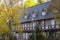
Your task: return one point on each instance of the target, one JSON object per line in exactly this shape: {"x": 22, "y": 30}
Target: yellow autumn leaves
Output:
{"x": 13, "y": 13}
{"x": 30, "y": 3}
{"x": 6, "y": 14}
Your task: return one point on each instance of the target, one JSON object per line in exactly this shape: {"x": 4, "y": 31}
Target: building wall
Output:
{"x": 44, "y": 24}
{"x": 47, "y": 24}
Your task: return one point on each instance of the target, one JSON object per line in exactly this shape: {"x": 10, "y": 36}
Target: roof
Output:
{"x": 37, "y": 10}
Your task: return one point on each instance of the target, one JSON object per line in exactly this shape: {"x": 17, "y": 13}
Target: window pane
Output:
{"x": 47, "y": 24}
{"x": 23, "y": 25}
{"x": 52, "y": 22}
{"x": 46, "y": 27}
{"x": 31, "y": 24}
{"x": 44, "y": 12}
{"x": 34, "y": 24}
{"x": 57, "y": 26}
{"x": 42, "y": 27}
{"x": 42, "y": 23}
{"x": 24, "y": 35}
{"x": 34, "y": 15}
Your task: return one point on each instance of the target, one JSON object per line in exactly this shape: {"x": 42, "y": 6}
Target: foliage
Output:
{"x": 39, "y": 34}
{"x": 57, "y": 8}
{"x": 7, "y": 13}
{"x": 40, "y": 1}
{"x": 29, "y": 3}
{"x": 54, "y": 7}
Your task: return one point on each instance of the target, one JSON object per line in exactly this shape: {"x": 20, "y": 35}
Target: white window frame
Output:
{"x": 34, "y": 15}
{"x": 25, "y": 16}
{"x": 44, "y": 13}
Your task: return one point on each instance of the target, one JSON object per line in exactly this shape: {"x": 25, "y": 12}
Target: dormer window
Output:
{"x": 44, "y": 12}
{"x": 34, "y": 15}
{"x": 25, "y": 16}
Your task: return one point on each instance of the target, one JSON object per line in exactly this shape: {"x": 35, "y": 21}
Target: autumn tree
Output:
{"x": 38, "y": 34}
{"x": 54, "y": 8}
{"x": 30, "y": 3}
{"x": 40, "y": 1}
{"x": 10, "y": 13}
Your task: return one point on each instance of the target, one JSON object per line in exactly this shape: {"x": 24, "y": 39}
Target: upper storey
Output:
{"x": 38, "y": 12}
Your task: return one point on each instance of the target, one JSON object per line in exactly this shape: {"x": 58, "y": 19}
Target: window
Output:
{"x": 47, "y": 34}
{"x": 25, "y": 16}
{"x": 47, "y": 23}
{"x": 42, "y": 27}
{"x": 46, "y": 27}
{"x": 34, "y": 15}
{"x": 31, "y": 24}
{"x": 43, "y": 13}
{"x": 34, "y": 24}
{"x": 52, "y": 23}
{"x": 26, "y": 36}
{"x": 57, "y": 24}
{"x": 25, "y": 24}
{"x": 17, "y": 36}
{"x": 28, "y": 24}
{"x": 42, "y": 24}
